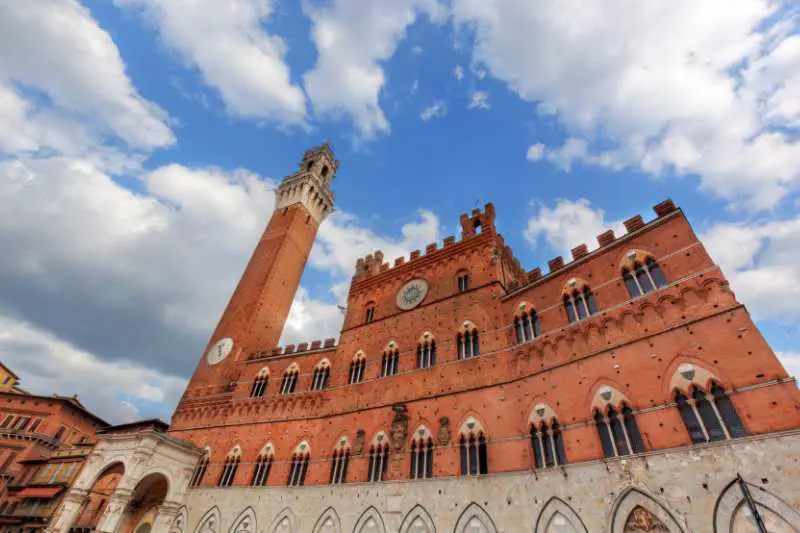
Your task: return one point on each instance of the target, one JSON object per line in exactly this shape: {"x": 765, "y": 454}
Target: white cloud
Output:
{"x": 55, "y": 47}
{"x": 479, "y": 100}
{"x": 227, "y": 42}
{"x": 660, "y": 86}
{"x": 567, "y": 225}
{"x": 342, "y": 240}
{"x": 436, "y": 110}
{"x": 110, "y": 389}
{"x": 353, "y": 38}
{"x": 458, "y": 72}
{"x": 762, "y": 262}
{"x": 131, "y": 276}
{"x": 790, "y": 361}
{"x": 536, "y": 152}
{"x": 311, "y": 319}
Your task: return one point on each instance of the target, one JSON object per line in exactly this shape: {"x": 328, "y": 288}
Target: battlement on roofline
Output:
{"x": 373, "y": 264}
{"x": 292, "y": 349}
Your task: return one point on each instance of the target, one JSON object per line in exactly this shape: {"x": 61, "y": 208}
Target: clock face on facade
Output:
{"x": 219, "y": 351}
{"x": 412, "y": 294}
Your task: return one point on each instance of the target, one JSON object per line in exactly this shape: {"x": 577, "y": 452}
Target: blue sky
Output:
{"x": 139, "y": 141}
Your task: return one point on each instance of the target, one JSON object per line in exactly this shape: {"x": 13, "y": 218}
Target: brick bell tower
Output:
{"x": 257, "y": 311}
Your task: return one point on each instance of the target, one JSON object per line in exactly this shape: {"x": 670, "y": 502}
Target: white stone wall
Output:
{"x": 688, "y": 490}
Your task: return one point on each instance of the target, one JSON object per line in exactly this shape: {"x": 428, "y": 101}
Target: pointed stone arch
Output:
{"x": 730, "y": 505}
{"x": 634, "y": 498}
{"x": 328, "y": 522}
{"x": 475, "y": 518}
{"x": 283, "y": 523}
{"x": 210, "y": 522}
{"x": 557, "y": 510}
{"x": 245, "y": 522}
{"x": 178, "y": 524}
{"x": 370, "y": 521}
{"x": 418, "y": 520}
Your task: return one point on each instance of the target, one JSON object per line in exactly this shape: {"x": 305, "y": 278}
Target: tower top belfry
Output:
{"x": 310, "y": 185}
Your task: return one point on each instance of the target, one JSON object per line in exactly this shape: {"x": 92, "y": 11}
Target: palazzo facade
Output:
{"x": 625, "y": 389}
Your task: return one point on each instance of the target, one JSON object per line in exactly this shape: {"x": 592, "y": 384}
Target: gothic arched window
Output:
{"x": 472, "y": 448}
{"x": 289, "y": 381}
{"x": 462, "y": 281}
{"x": 579, "y": 301}
{"x": 378, "y": 458}
{"x": 263, "y": 466}
{"x": 467, "y": 342}
{"x": 200, "y": 470}
{"x": 426, "y": 351}
{"x": 321, "y": 375}
{"x": 390, "y": 361}
{"x": 260, "y": 384}
{"x": 642, "y": 274}
{"x": 618, "y": 431}
{"x": 357, "y": 366}
{"x": 230, "y": 467}
{"x": 709, "y": 415}
{"x": 340, "y": 460}
{"x": 299, "y": 466}
{"x": 547, "y": 444}
{"x": 526, "y": 324}
{"x": 370, "y": 312}
{"x": 421, "y": 454}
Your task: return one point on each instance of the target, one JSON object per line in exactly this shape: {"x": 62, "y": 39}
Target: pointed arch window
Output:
{"x": 299, "y": 465}
{"x": 421, "y": 454}
{"x": 426, "y": 352}
{"x": 618, "y": 431}
{"x": 390, "y": 361}
{"x": 259, "y": 387}
{"x": 339, "y": 463}
{"x": 580, "y": 304}
{"x": 378, "y": 458}
{"x": 229, "y": 468}
{"x": 370, "y": 313}
{"x": 357, "y": 366}
{"x": 547, "y": 444}
{"x": 467, "y": 342}
{"x": 463, "y": 281}
{"x": 263, "y": 467}
{"x": 199, "y": 472}
{"x": 527, "y": 326}
{"x": 289, "y": 381}
{"x": 642, "y": 277}
{"x": 709, "y": 415}
{"x": 472, "y": 449}
{"x": 320, "y": 376}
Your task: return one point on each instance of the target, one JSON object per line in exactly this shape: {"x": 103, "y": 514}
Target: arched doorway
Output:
{"x": 98, "y": 497}
{"x": 144, "y": 504}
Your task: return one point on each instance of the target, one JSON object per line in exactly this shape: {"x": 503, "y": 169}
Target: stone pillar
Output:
{"x": 167, "y": 512}
{"x": 69, "y": 511}
{"x": 115, "y": 511}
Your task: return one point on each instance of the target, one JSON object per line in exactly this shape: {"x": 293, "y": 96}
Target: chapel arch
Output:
{"x": 636, "y": 509}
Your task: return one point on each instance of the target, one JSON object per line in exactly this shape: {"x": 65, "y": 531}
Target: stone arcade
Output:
{"x": 625, "y": 390}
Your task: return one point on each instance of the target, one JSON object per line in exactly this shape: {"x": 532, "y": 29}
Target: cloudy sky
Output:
{"x": 140, "y": 141}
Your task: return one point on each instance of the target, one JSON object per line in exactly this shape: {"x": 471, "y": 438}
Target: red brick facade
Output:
{"x": 632, "y": 352}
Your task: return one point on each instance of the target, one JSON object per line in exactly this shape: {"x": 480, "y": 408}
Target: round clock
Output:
{"x": 219, "y": 351}
{"x": 412, "y": 294}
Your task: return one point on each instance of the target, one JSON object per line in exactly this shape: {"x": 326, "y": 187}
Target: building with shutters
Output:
{"x": 624, "y": 389}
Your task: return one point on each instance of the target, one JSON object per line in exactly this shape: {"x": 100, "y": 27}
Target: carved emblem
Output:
{"x": 444, "y": 431}
{"x": 641, "y": 519}
{"x": 540, "y": 411}
{"x": 399, "y": 427}
{"x": 687, "y": 371}
{"x": 605, "y": 394}
{"x": 358, "y": 447}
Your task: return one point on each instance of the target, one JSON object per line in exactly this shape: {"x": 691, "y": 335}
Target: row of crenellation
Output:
{"x": 292, "y": 349}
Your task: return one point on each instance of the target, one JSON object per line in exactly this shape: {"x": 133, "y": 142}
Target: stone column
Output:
{"x": 167, "y": 512}
{"x": 115, "y": 511}
{"x": 68, "y": 512}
